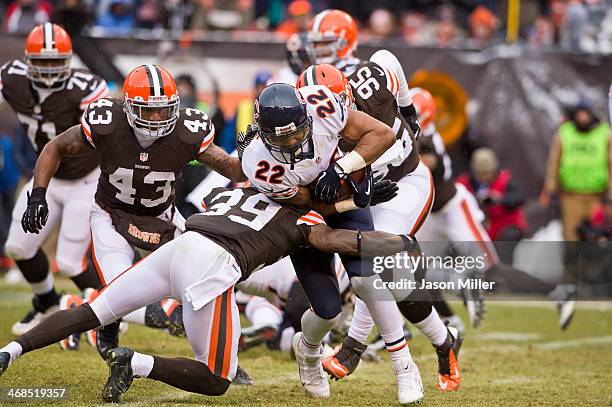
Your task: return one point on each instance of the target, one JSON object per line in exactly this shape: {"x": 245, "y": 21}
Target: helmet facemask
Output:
{"x": 324, "y": 48}
{"x": 48, "y": 72}
{"x": 290, "y": 144}
{"x": 154, "y": 118}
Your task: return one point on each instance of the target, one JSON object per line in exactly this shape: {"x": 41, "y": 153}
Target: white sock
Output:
{"x": 398, "y": 349}
{"x": 260, "y": 312}
{"x": 433, "y": 328}
{"x": 44, "y": 286}
{"x": 314, "y": 329}
{"x": 362, "y": 322}
{"x": 136, "y": 317}
{"x": 142, "y": 364}
{"x": 14, "y": 349}
{"x": 382, "y": 307}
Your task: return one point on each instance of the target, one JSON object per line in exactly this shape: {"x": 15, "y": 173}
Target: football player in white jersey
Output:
{"x": 298, "y": 59}
{"x": 298, "y": 135}
{"x": 374, "y": 89}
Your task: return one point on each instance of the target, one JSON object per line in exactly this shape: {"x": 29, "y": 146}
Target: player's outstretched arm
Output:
{"x": 220, "y": 161}
{"x": 372, "y": 136}
{"x": 68, "y": 143}
{"x": 370, "y": 244}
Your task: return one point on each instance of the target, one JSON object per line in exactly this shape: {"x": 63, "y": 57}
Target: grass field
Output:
{"x": 518, "y": 358}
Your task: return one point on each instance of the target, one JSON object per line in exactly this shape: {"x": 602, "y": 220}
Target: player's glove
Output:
{"x": 363, "y": 191}
{"x": 245, "y": 138}
{"x": 327, "y": 185}
{"x": 411, "y": 245}
{"x": 37, "y": 212}
{"x": 384, "y": 190}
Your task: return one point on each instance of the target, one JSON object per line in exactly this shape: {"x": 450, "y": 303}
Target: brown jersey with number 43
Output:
{"x": 141, "y": 180}
{"x": 256, "y": 230}
{"x": 59, "y": 111}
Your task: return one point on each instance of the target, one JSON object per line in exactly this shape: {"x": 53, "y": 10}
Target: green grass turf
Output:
{"x": 518, "y": 358}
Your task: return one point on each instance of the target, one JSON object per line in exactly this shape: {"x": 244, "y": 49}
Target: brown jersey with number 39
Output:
{"x": 256, "y": 230}
{"x": 141, "y": 180}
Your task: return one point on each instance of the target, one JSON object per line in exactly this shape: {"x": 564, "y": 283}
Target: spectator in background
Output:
{"x": 446, "y": 32}
{"x": 147, "y": 14}
{"x": 574, "y": 24}
{"x": 414, "y": 28}
{"x": 118, "y": 17}
{"x": 23, "y": 15}
{"x": 300, "y": 14}
{"x": 73, "y": 15}
{"x": 482, "y": 25}
{"x": 542, "y": 34}
{"x": 579, "y": 167}
{"x": 381, "y": 25}
{"x": 599, "y": 226}
{"x": 223, "y": 14}
{"x": 500, "y": 198}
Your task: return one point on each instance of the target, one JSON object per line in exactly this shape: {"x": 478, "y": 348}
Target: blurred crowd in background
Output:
{"x": 575, "y": 25}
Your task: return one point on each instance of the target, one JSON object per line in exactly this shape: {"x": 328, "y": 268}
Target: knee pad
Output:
{"x": 371, "y": 289}
{"x": 67, "y": 267}
{"x": 17, "y": 251}
{"x": 217, "y": 387}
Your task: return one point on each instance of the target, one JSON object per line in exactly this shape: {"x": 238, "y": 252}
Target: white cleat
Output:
{"x": 33, "y": 318}
{"x": 409, "y": 384}
{"x": 312, "y": 375}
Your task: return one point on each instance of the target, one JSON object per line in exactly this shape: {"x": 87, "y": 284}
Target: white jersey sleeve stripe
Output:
{"x": 207, "y": 140}
{"x": 87, "y": 131}
{"x": 99, "y": 92}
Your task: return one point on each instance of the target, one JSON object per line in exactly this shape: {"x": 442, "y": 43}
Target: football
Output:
{"x": 345, "y": 190}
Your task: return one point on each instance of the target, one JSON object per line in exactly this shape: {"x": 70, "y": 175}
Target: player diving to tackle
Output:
{"x": 296, "y": 144}
{"x": 241, "y": 231}
{"x": 48, "y": 97}
{"x": 375, "y": 88}
{"x": 143, "y": 143}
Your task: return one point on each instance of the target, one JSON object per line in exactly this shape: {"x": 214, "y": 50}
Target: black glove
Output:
{"x": 244, "y": 139}
{"x": 327, "y": 185}
{"x": 362, "y": 192}
{"x": 384, "y": 190}
{"x": 37, "y": 212}
{"x": 411, "y": 245}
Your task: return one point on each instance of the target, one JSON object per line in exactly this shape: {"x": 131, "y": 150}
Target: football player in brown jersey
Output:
{"x": 48, "y": 97}
{"x": 240, "y": 232}
{"x": 142, "y": 142}
{"x": 455, "y": 215}
{"x": 374, "y": 88}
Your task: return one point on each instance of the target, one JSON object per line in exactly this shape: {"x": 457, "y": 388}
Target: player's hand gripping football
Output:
{"x": 37, "y": 212}
{"x": 245, "y": 138}
{"x": 328, "y": 183}
{"x": 384, "y": 190}
{"x": 364, "y": 190}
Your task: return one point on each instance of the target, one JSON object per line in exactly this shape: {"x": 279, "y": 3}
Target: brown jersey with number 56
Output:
{"x": 141, "y": 180}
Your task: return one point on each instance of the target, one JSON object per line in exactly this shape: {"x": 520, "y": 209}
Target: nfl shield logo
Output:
{"x": 144, "y": 156}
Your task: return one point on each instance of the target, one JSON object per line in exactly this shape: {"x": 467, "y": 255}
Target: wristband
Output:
{"x": 345, "y": 205}
{"x": 37, "y": 194}
{"x": 351, "y": 162}
{"x": 359, "y": 237}
{"x": 410, "y": 243}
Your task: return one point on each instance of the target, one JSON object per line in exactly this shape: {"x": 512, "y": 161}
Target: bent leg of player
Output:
{"x": 211, "y": 318}
{"x": 382, "y": 306}
{"x": 25, "y": 249}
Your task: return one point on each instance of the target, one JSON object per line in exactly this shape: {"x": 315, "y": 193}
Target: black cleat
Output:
{"x": 345, "y": 360}
{"x": 242, "y": 377}
{"x": 256, "y": 335}
{"x": 107, "y": 339}
{"x": 120, "y": 376}
{"x": 5, "y": 360}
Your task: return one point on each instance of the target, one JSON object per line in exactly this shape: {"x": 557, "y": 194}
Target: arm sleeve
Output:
{"x": 395, "y": 76}
{"x": 551, "y": 182}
